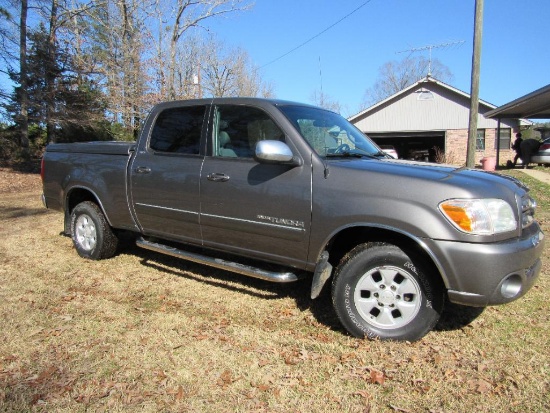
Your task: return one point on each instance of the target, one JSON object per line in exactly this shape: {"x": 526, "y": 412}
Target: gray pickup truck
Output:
{"x": 281, "y": 190}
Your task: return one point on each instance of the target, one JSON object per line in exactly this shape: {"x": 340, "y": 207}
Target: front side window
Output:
{"x": 178, "y": 130}
{"x": 328, "y": 133}
{"x": 237, "y": 129}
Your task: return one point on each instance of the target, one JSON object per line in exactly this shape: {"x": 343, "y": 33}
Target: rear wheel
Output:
{"x": 92, "y": 236}
{"x": 381, "y": 292}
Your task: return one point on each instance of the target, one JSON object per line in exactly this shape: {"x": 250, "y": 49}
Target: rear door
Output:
{"x": 251, "y": 208}
{"x": 164, "y": 175}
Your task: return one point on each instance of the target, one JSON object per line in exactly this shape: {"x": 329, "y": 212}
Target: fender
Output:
{"x": 86, "y": 194}
{"x": 417, "y": 240}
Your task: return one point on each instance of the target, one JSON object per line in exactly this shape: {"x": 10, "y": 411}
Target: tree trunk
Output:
{"x": 51, "y": 75}
{"x": 23, "y": 73}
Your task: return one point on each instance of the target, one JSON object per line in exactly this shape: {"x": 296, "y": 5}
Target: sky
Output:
{"x": 352, "y": 39}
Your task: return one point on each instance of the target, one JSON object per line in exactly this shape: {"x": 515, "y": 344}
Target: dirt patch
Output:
{"x": 15, "y": 181}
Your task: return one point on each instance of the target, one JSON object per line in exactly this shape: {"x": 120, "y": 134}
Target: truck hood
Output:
{"x": 404, "y": 194}
{"x": 400, "y": 173}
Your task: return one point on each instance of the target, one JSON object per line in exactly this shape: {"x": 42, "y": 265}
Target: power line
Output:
{"x": 317, "y": 35}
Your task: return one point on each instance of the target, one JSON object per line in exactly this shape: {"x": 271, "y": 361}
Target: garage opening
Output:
{"x": 418, "y": 146}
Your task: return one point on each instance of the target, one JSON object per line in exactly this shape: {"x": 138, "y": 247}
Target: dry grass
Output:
{"x": 145, "y": 332}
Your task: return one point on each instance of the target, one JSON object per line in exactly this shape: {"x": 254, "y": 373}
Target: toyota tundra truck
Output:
{"x": 282, "y": 191}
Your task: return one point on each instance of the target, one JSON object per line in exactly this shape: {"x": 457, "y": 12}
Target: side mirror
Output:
{"x": 275, "y": 152}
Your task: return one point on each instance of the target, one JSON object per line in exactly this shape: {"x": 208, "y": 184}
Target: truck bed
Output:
{"x": 99, "y": 147}
{"x": 99, "y": 167}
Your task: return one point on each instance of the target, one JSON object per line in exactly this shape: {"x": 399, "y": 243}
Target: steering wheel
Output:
{"x": 342, "y": 148}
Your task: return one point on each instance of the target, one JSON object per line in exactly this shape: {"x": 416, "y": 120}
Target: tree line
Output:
{"x": 79, "y": 70}
{"x": 91, "y": 69}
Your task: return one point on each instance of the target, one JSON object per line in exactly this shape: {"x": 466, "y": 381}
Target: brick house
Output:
{"x": 429, "y": 121}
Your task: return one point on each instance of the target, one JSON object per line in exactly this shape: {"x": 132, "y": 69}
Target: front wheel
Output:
{"x": 380, "y": 292}
{"x": 92, "y": 236}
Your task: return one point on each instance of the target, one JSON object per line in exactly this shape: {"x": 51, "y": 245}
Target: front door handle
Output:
{"x": 143, "y": 170}
{"x": 217, "y": 177}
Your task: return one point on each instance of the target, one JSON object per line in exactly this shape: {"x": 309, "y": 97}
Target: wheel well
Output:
{"x": 346, "y": 240}
{"x": 75, "y": 197}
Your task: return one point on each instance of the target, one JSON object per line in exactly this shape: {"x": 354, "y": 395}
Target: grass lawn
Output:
{"x": 143, "y": 332}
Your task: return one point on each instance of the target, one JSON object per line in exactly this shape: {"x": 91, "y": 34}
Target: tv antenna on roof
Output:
{"x": 433, "y": 46}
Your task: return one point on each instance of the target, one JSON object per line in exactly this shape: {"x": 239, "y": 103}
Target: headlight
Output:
{"x": 479, "y": 216}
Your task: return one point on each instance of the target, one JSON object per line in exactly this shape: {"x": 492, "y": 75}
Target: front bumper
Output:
{"x": 489, "y": 274}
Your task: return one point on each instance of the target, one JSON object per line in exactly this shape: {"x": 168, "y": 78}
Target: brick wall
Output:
{"x": 456, "y": 143}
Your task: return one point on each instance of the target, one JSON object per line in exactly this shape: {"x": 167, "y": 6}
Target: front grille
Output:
{"x": 528, "y": 207}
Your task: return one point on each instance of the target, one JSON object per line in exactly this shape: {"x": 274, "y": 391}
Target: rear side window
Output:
{"x": 178, "y": 130}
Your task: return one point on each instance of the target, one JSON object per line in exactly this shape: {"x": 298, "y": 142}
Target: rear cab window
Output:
{"x": 178, "y": 130}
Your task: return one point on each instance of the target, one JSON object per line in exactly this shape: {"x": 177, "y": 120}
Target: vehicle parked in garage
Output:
{"x": 390, "y": 150}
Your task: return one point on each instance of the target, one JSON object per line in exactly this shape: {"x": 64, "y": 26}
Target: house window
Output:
{"x": 480, "y": 140}
{"x": 505, "y": 138}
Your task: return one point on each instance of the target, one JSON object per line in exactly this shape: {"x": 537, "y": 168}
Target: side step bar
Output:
{"x": 280, "y": 277}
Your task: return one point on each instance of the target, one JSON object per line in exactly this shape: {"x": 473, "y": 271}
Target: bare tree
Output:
{"x": 190, "y": 13}
{"x": 395, "y": 76}
{"x": 321, "y": 99}
{"x": 229, "y": 72}
{"x": 116, "y": 35}
{"x": 134, "y": 52}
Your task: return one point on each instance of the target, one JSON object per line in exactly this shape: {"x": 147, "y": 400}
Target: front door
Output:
{"x": 251, "y": 208}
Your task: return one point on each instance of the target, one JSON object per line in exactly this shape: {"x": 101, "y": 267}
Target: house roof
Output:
{"x": 535, "y": 105}
{"x": 420, "y": 83}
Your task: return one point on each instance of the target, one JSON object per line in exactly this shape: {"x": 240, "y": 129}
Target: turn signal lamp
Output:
{"x": 479, "y": 216}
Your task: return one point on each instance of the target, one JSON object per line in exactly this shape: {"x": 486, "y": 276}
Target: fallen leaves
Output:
{"x": 479, "y": 386}
{"x": 377, "y": 377}
{"x": 226, "y": 379}
{"x": 49, "y": 383}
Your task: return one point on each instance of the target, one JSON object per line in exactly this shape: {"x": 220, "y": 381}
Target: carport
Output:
{"x": 535, "y": 105}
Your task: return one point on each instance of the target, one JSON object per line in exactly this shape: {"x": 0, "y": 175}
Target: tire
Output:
{"x": 92, "y": 236}
{"x": 379, "y": 292}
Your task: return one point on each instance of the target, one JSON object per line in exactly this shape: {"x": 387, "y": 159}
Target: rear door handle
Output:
{"x": 143, "y": 170}
{"x": 217, "y": 177}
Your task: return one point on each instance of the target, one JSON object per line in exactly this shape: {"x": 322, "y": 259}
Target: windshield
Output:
{"x": 329, "y": 134}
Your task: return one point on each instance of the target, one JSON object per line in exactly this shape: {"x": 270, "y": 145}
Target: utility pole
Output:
{"x": 474, "y": 93}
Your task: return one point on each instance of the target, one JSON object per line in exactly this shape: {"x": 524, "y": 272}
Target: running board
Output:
{"x": 280, "y": 277}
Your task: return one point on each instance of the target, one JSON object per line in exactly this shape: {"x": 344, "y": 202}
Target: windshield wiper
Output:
{"x": 346, "y": 155}
{"x": 382, "y": 154}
